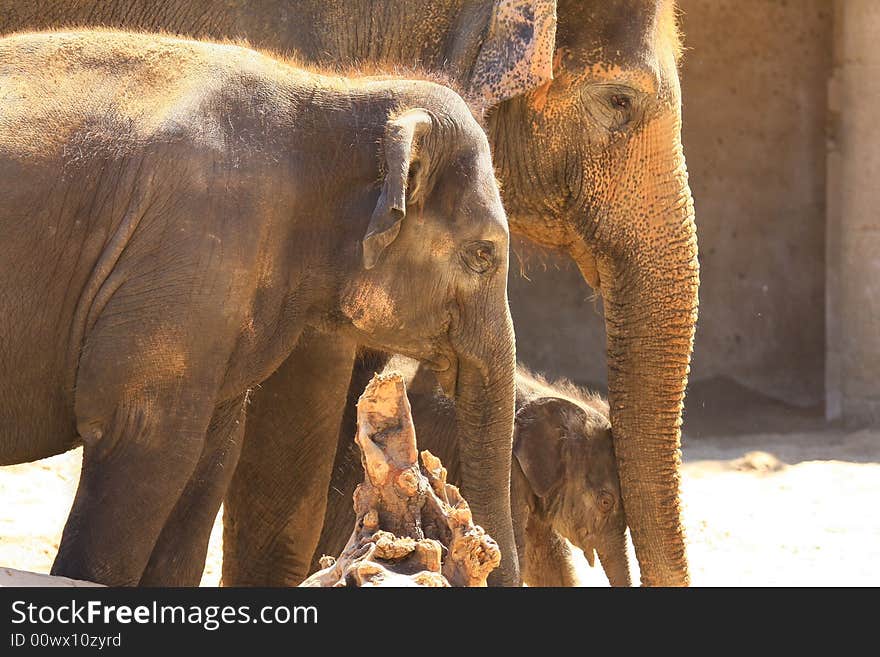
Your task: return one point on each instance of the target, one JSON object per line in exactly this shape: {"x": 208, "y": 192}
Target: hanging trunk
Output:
{"x": 650, "y": 314}
{"x": 614, "y": 559}
{"x": 649, "y": 277}
{"x": 485, "y": 411}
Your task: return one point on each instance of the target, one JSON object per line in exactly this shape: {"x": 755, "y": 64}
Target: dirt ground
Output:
{"x": 783, "y": 509}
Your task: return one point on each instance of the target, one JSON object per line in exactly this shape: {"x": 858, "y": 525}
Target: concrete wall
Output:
{"x": 754, "y": 82}
{"x": 559, "y": 326}
{"x": 854, "y": 216}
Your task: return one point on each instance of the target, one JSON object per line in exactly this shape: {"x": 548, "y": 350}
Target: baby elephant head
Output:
{"x": 565, "y": 451}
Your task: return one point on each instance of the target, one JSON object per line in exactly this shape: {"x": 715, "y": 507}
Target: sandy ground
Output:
{"x": 760, "y": 510}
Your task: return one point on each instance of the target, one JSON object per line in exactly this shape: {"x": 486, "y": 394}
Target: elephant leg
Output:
{"x": 276, "y": 501}
{"x": 178, "y": 559}
{"x": 547, "y": 560}
{"x": 134, "y": 470}
{"x": 146, "y": 388}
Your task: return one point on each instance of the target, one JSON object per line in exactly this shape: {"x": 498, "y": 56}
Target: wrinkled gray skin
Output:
{"x": 176, "y": 220}
{"x": 564, "y": 482}
{"x": 590, "y": 163}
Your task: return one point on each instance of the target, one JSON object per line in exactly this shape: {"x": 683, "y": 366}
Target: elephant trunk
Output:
{"x": 650, "y": 287}
{"x": 485, "y": 411}
{"x": 615, "y": 559}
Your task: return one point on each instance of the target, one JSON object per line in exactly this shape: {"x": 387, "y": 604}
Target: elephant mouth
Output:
{"x": 587, "y": 545}
{"x": 590, "y": 555}
{"x": 445, "y": 369}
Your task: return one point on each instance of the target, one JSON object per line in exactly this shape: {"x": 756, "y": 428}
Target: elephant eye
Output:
{"x": 479, "y": 257}
{"x": 606, "y": 501}
{"x": 621, "y": 102}
{"x": 623, "y": 108}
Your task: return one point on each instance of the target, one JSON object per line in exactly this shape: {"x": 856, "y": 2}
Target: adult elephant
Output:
{"x": 585, "y": 128}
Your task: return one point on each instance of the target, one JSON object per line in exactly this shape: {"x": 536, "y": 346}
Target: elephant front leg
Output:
{"x": 179, "y": 556}
{"x": 276, "y": 502}
{"x": 135, "y": 467}
{"x": 547, "y": 560}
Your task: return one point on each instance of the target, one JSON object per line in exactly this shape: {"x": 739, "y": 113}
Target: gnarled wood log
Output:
{"x": 412, "y": 528}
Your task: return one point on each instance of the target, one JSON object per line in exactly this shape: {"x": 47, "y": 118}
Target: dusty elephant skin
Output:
{"x": 564, "y": 481}
{"x": 590, "y": 163}
{"x": 178, "y": 218}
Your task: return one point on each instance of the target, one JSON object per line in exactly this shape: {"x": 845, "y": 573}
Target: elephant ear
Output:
{"x": 404, "y": 181}
{"x": 539, "y": 433}
{"x": 517, "y": 53}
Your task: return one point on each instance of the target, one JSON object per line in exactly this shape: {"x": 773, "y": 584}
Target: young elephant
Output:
{"x": 178, "y": 219}
{"x": 564, "y": 480}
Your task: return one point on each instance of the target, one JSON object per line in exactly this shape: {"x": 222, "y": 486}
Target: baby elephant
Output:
{"x": 564, "y": 481}
{"x": 183, "y": 221}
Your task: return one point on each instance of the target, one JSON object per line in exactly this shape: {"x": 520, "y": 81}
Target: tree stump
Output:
{"x": 412, "y": 528}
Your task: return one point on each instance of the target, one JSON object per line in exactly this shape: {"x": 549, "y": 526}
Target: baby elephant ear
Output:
{"x": 401, "y": 135}
{"x": 517, "y": 52}
{"x": 537, "y": 442}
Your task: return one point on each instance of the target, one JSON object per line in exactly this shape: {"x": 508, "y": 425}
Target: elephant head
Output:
{"x": 433, "y": 286}
{"x": 566, "y": 455}
{"x": 591, "y": 163}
